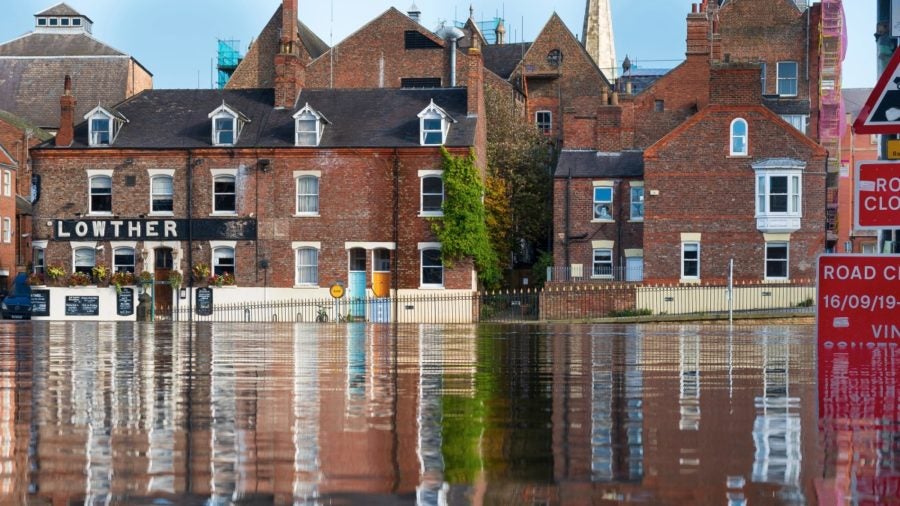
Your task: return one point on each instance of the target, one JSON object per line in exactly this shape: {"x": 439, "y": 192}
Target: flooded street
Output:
{"x": 105, "y": 413}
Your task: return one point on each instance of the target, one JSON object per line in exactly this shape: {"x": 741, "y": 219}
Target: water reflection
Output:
{"x": 314, "y": 414}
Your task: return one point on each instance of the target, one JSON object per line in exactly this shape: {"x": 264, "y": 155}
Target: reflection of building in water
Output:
{"x": 616, "y": 408}
{"x": 689, "y": 380}
{"x": 306, "y": 416}
{"x": 432, "y": 489}
{"x": 12, "y": 454}
{"x": 356, "y": 402}
{"x": 777, "y": 427}
{"x": 223, "y": 422}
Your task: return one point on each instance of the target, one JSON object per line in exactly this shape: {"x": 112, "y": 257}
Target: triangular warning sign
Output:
{"x": 881, "y": 114}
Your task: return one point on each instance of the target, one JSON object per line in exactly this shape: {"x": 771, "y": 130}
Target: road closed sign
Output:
{"x": 877, "y": 199}
{"x": 858, "y": 299}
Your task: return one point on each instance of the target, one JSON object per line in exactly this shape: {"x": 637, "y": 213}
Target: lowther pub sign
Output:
{"x": 159, "y": 230}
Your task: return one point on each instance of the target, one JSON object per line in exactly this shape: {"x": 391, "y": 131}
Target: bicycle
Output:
{"x": 321, "y": 315}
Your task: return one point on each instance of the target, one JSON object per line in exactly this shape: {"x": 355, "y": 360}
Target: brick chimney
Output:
{"x": 289, "y": 71}
{"x": 697, "y": 32}
{"x": 735, "y": 84}
{"x": 66, "y": 133}
{"x": 475, "y": 80}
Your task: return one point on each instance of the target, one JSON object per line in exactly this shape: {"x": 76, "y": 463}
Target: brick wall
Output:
{"x": 704, "y": 190}
{"x": 625, "y": 233}
{"x": 346, "y": 214}
{"x": 563, "y": 302}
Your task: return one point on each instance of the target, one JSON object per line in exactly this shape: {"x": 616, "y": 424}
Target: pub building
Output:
{"x": 290, "y": 190}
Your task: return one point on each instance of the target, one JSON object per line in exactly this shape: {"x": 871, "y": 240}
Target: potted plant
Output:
{"x": 56, "y": 274}
{"x": 79, "y": 279}
{"x": 120, "y": 279}
{"x": 200, "y": 271}
{"x": 145, "y": 278}
{"x": 175, "y": 280}
{"x": 36, "y": 279}
{"x": 220, "y": 280}
{"x": 101, "y": 274}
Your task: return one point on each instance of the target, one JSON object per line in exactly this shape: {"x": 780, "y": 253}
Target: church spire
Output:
{"x": 597, "y": 36}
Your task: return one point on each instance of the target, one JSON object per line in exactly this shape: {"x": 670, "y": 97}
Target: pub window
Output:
{"x": 161, "y": 194}
{"x": 101, "y": 194}
{"x": 224, "y": 194}
{"x": 38, "y": 260}
{"x": 123, "y": 260}
{"x": 84, "y": 260}
{"x": 223, "y": 260}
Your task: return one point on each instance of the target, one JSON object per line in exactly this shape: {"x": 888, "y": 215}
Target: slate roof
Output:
{"x": 589, "y": 163}
{"x": 316, "y": 46}
{"x": 23, "y": 124}
{"x": 60, "y": 9}
{"x": 854, "y": 100}
{"x": 30, "y": 87}
{"x": 786, "y": 105}
{"x": 57, "y": 44}
{"x": 502, "y": 59}
{"x": 159, "y": 119}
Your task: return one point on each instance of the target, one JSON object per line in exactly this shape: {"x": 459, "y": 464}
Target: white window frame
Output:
{"x": 798, "y": 121}
{"x": 735, "y": 136}
{"x": 430, "y": 113}
{"x": 302, "y": 174}
{"x": 794, "y": 195}
{"x": 786, "y": 261}
{"x": 631, "y": 207}
{"x": 218, "y": 131}
{"x": 39, "y": 260}
{"x": 88, "y": 246}
{"x": 154, "y": 196}
{"x": 595, "y": 263}
{"x": 431, "y": 247}
{"x": 596, "y": 204}
{"x": 222, "y": 246}
{"x": 685, "y": 245}
{"x": 306, "y": 246}
{"x": 222, "y": 174}
{"x": 423, "y": 175}
{"x": 762, "y": 72}
{"x": 7, "y": 230}
{"x": 785, "y": 81}
{"x": 237, "y": 124}
{"x": 97, "y": 175}
{"x": 113, "y": 121}
{"x": 307, "y": 114}
{"x": 116, "y": 265}
{"x": 7, "y": 183}
{"x": 544, "y": 127}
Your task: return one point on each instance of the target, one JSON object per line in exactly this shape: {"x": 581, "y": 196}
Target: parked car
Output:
{"x": 17, "y": 305}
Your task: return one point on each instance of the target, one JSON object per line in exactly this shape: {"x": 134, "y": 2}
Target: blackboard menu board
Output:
{"x": 125, "y": 302}
{"x": 204, "y": 301}
{"x": 40, "y": 302}
{"x": 82, "y": 305}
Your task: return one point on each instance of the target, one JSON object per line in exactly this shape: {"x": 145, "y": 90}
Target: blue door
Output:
{"x": 356, "y": 292}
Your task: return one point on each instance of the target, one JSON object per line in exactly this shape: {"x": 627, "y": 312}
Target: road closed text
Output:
{"x": 861, "y": 272}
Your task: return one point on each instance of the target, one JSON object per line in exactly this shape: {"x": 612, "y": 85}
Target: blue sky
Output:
{"x": 176, "y": 39}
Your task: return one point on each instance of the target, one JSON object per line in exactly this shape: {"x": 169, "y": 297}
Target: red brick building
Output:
{"x": 721, "y": 119}
{"x": 854, "y": 148}
{"x": 290, "y": 189}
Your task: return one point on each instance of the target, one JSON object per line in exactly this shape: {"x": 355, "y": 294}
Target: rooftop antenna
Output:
{"x": 331, "y": 43}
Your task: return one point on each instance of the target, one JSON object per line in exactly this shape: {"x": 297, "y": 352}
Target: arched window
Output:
{"x": 223, "y": 260}
{"x": 739, "y": 137}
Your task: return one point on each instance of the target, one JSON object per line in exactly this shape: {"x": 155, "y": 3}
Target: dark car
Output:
{"x": 17, "y": 305}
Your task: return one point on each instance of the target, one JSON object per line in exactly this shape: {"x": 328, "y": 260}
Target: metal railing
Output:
{"x": 558, "y": 302}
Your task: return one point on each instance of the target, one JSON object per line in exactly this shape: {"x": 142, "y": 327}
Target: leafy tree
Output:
{"x": 519, "y": 156}
{"x": 462, "y": 230}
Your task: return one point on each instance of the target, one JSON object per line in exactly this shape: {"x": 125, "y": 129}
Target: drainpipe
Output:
{"x": 395, "y": 235}
{"x": 567, "y": 226}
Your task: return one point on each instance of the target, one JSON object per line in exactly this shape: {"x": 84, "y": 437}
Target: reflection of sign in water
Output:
{"x": 204, "y": 301}
{"x": 125, "y": 302}
{"x": 40, "y": 302}
{"x": 82, "y": 305}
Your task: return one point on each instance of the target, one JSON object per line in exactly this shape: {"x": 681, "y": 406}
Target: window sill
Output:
{"x": 431, "y": 287}
{"x": 777, "y": 280}
{"x": 595, "y": 220}
{"x": 306, "y": 287}
{"x": 223, "y": 213}
{"x": 636, "y": 220}
{"x": 430, "y": 214}
{"x": 100, "y": 213}
{"x": 738, "y": 156}
{"x": 690, "y": 281}
{"x": 602, "y": 277}
{"x": 307, "y": 215}
{"x": 162, "y": 213}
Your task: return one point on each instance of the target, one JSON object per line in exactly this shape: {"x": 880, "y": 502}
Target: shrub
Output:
{"x": 630, "y": 312}
{"x": 224, "y": 279}
{"x": 79, "y": 279}
{"x": 101, "y": 273}
{"x": 55, "y": 273}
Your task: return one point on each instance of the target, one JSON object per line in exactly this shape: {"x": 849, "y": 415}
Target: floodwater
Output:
{"x": 105, "y": 413}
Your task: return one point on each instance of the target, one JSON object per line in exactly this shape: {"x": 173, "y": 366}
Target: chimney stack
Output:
{"x": 475, "y": 80}
{"x": 66, "y": 133}
{"x": 697, "y": 32}
{"x": 289, "y": 71}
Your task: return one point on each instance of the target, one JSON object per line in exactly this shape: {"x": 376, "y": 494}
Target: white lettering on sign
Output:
{"x": 892, "y": 184}
{"x": 170, "y": 229}
{"x": 99, "y": 228}
{"x": 882, "y": 203}
{"x": 81, "y": 229}
{"x": 151, "y": 229}
{"x": 115, "y": 226}
{"x": 134, "y": 228}
{"x": 59, "y": 230}
{"x": 844, "y": 272}
{"x": 885, "y": 331}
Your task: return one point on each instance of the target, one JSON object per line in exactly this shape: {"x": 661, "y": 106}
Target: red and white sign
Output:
{"x": 881, "y": 113}
{"x": 858, "y": 299}
{"x": 877, "y": 201}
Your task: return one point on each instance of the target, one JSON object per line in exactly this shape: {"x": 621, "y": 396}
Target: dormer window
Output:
{"x": 103, "y": 126}
{"x": 226, "y": 125}
{"x": 309, "y": 125}
{"x": 434, "y": 125}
